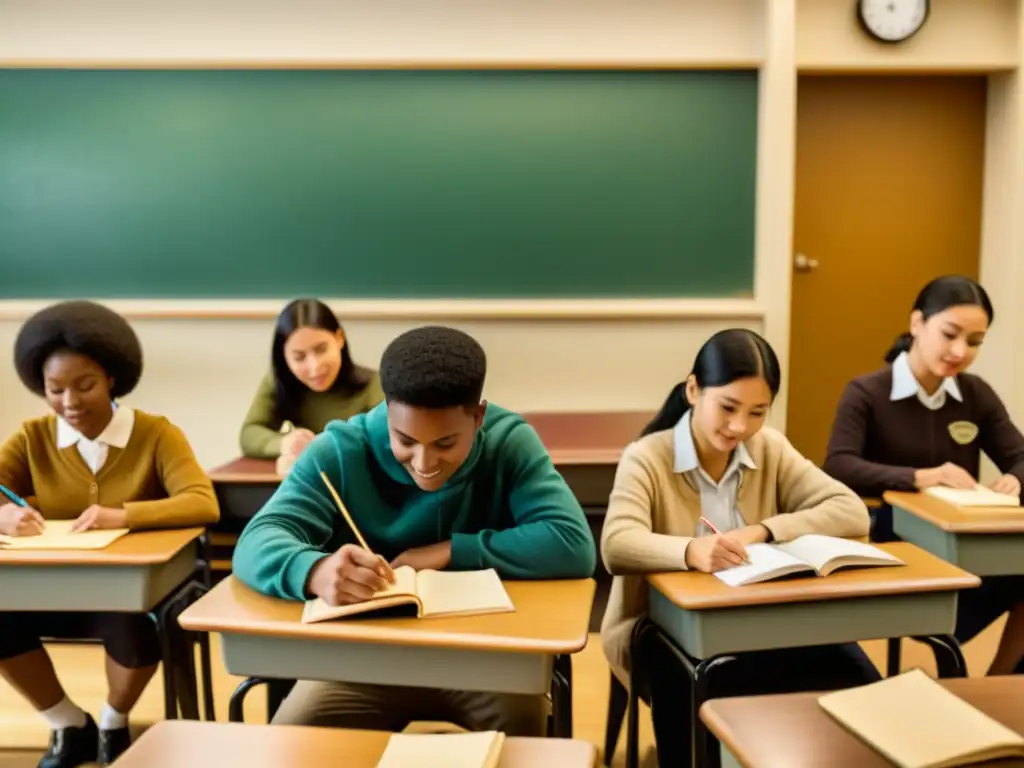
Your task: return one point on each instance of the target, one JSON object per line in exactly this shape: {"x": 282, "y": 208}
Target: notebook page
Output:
{"x": 765, "y": 560}
{"x": 442, "y": 750}
{"x": 449, "y": 592}
{"x": 57, "y": 535}
{"x": 916, "y": 722}
{"x": 979, "y": 496}
{"x": 817, "y": 549}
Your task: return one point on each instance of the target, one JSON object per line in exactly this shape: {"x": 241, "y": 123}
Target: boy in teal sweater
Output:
{"x": 433, "y": 478}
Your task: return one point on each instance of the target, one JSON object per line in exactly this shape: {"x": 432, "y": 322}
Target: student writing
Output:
{"x": 707, "y": 453}
{"x": 106, "y": 466}
{"x": 312, "y": 380}
{"x": 433, "y": 478}
{"x": 922, "y": 420}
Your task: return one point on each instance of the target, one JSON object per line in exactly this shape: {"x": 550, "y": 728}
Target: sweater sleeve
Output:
{"x": 15, "y": 472}
{"x": 550, "y": 537}
{"x": 284, "y": 540}
{"x": 999, "y": 437}
{"x": 812, "y": 502}
{"x": 259, "y": 440}
{"x": 190, "y": 501}
{"x": 629, "y": 544}
{"x": 845, "y": 456}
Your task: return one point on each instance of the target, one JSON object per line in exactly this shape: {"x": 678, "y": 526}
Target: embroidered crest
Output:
{"x": 963, "y": 432}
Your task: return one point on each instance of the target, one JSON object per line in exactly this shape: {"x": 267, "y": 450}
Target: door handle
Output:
{"x": 804, "y": 264}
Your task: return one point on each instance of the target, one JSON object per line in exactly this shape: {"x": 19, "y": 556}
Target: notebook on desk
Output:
{"x": 425, "y": 594}
{"x": 443, "y": 750}
{"x": 807, "y": 555}
{"x": 918, "y": 723}
{"x": 57, "y": 535}
{"x": 979, "y": 496}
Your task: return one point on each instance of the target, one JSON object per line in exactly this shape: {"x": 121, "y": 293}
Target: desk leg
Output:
{"x": 636, "y": 640}
{"x": 561, "y": 698}
{"x": 949, "y": 659}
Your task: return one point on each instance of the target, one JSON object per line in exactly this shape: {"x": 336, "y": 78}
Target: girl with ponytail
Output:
{"x": 922, "y": 421}
{"x": 706, "y": 480}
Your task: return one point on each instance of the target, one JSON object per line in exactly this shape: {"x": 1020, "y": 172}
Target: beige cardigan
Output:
{"x": 653, "y": 513}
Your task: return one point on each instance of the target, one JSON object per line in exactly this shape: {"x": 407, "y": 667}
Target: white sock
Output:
{"x": 111, "y": 719}
{"x": 65, "y": 714}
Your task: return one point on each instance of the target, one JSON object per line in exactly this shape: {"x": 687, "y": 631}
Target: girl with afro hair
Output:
{"x": 103, "y": 465}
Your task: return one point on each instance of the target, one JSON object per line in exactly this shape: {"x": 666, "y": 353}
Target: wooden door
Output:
{"x": 888, "y": 195}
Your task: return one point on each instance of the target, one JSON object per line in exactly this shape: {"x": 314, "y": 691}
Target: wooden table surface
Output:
{"x": 788, "y": 730}
{"x": 923, "y": 572}
{"x": 551, "y": 617}
{"x": 571, "y": 439}
{"x": 139, "y": 548}
{"x": 177, "y": 743}
{"x": 954, "y": 519}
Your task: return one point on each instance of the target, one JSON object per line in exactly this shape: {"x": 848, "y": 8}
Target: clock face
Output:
{"x": 892, "y": 21}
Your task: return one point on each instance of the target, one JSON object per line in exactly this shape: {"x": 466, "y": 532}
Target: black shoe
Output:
{"x": 112, "y": 744}
{"x": 71, "y": 747}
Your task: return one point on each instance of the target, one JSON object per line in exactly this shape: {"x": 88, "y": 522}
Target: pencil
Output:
{"x": 717, "y": 532}
{"x": 344, "y": 512}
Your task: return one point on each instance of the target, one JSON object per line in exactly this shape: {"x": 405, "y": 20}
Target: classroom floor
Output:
{"x": 23, "y": 735}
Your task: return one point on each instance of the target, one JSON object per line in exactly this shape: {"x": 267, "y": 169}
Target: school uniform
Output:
{"x": 660, "y": 492}
{"x": 506, "y": 508}
{"x": 261, "y": 430}
{"x": 887, "y": 427}
{"x": 140, "y": 463}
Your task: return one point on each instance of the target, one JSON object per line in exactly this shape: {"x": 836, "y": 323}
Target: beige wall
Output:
{"x": 544, "y": 355}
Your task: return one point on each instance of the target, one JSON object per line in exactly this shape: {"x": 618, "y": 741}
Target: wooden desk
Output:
{"x": 788, "y": 730}
{"x": 507, "y": 653}
{"x": 132, "y": 575}
{"x": 707, "y": 617}
{"x": 987, "y": 541}
{"x": 173, "y": 744}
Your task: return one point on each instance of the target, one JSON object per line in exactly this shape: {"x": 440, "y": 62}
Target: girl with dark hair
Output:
{"x": 312, "y": 380}
{"x": 922, "y": 421}
{"x": 102, "y": 464}
{"x": 707, "y": 456}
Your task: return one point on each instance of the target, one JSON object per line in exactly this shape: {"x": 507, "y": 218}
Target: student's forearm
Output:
{"x": 868, "y": 478}
{"x": 540, "y": 550}
{"x": 274, "y": 560}
{"x": 183, "y": 510}
{"x": 260, "y": 442}
{"x": 631, "y": 551}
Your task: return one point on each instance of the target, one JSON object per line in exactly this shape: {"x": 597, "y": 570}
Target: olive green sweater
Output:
{"x": 155, "y": 478}
{"x": 261, "y": 436}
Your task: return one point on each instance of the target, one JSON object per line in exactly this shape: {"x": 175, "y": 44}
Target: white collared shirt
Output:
{"x": 905, "y": 384}
{"x": 94, "y": 452}
{"x": 717, "y": 500}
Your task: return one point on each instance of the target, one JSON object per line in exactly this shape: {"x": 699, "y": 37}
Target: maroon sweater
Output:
{"x": 877, "y": 443}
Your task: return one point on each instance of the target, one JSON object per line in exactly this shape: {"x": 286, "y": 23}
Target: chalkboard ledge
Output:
{"x": 423, "y": 309}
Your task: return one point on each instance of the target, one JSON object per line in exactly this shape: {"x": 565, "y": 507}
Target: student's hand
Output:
{"x": 350, "y": 575}
{"x": 98, "y": 518}
{"x": 949, "y": 474}
{"x": 715, "y": 553}
{"x": 1007, "y": 484}
{"x": 20, "y": 521}
{"x": 295, "y": 442}
{"x": 284, "y": 465}
{"x": 434, "y": 557}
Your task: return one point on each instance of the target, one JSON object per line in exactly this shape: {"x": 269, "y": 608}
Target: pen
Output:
{"x": 13, "y": 496}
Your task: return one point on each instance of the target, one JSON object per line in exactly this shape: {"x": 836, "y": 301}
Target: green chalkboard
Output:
{"x": 391, "y": 183}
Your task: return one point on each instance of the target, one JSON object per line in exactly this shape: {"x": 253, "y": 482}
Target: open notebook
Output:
{"x": 443, "y": 750}
{"x": 917, "y": 723}
{"x": 979, "y": 496}
{"x": 57, "y": 535}
{"x": 808, "y": 555}
{"x": 425, "y": 594}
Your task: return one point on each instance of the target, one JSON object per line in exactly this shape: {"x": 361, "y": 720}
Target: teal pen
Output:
{"x": 13, "y": 496}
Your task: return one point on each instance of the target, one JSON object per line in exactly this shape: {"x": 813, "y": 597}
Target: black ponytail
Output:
{"x": 938, "y": 296}
{"x": 675, "y": 406}
{"x": 727, "y": 356}
{"x": 901, "y": 345}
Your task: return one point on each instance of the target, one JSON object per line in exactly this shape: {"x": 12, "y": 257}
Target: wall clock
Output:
{"x": 892, "y": 21}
